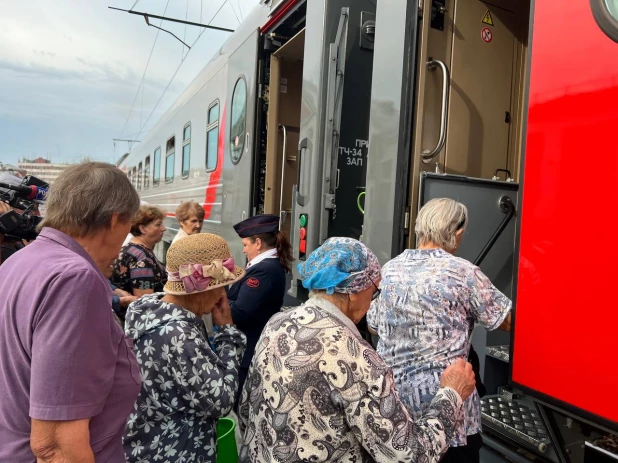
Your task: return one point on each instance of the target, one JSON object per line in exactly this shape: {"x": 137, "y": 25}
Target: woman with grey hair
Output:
{"x": 68, "y": 376}
{"x": 316, "y": 391}
{"x": 424, "y": 316}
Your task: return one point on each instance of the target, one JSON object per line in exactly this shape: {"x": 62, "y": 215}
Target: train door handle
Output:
{"x": 302, "y": 145}
{"x": 282, "y": 189}
{"x": 247, "y": 142}
{"x": 428, "y": 155}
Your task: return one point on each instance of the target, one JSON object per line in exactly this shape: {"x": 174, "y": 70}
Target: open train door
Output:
{"x": 239, "y": 138}
{"x": 334, "y": 125}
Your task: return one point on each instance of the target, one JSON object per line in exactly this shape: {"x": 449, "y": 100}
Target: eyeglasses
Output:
{"x": 377, "y": 292}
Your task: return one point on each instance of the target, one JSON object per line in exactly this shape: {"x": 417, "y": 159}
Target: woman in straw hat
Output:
{"x": 186, "y": 386}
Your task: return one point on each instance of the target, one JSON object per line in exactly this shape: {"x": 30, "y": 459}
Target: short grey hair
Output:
{"x": 438, "y": 222}
{"x": 84, "y": 197}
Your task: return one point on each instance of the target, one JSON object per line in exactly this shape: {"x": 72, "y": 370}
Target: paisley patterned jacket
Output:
{"x": 316, "y": 391}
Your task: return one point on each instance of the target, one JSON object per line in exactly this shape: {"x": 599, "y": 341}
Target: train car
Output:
{"x": 344, "y": 117}
{"x": 493, "y": 104}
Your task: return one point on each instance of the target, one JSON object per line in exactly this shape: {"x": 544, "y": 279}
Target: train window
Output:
{"x": 605, "y": 13}
{"x": 147, "y": 173}
{"x": 134, "y": 177}
{"x": 213, "y": 113}
{"x": 238, "y": 124}
{"x": 139, "y": 176}
{"x": 169, "y": 167}
{"x": 156, "y": 168}
{"x": 170, "y": 156}
{"x": 212, "y": 136}
{"x": 171, "y": 143}
{"x": 186, "y": 150}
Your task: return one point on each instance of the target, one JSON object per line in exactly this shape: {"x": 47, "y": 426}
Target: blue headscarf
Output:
{"x": 342, "y": 265}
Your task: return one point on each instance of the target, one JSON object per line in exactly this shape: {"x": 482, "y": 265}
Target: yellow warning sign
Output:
{"x": 487, "y": 19}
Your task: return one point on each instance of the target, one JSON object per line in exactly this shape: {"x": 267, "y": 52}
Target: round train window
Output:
{"x": 238, "y": 122}
{"x": 612, "y": 7}
{"x": 605, "y": 13}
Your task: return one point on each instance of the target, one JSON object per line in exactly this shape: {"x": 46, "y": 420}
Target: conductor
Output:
{"x": 259, "y": 295}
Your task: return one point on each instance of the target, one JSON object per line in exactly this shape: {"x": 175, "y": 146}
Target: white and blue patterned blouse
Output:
{"x": 424, "y": 316}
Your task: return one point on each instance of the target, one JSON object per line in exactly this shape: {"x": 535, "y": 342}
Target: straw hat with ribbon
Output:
{"x": 199, "y": 263}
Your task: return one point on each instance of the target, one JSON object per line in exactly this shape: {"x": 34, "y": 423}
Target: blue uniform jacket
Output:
{"x": 256, "y": 298}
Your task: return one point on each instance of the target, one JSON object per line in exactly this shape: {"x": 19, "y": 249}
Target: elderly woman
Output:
{"x": 68, "y": 377}
{"x": 316, "y": 391}
{"x": 424, "y": 316}
{"x": 190, "y": 216}
{"x": 186, "y": 386}
{"x": 137, "y": 270}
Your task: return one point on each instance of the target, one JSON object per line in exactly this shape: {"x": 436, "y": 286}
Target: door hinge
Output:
{"x": 330, "y": 204}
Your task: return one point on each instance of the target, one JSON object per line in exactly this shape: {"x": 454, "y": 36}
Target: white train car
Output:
{"x": 197, "y": 150}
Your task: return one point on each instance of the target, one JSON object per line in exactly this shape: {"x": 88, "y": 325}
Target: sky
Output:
{"x": 70, "y": 71}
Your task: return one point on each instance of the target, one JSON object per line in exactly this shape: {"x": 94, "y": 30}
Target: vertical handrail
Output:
{"x": 282, "y": 212}
{"x": 428, "y": 155}
{"x": 302, "y": 145}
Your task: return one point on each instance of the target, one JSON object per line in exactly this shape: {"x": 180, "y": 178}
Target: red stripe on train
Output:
{"x": 278, "y": 15}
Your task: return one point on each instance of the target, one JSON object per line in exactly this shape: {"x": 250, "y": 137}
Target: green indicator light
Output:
{"x": 303, "y": 220}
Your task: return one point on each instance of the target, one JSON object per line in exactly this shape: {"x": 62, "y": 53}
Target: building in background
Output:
{"x": 42, "y": 168}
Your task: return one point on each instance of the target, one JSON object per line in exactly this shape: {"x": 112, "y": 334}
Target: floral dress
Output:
{"x": 138, "y": 268}
{"x": 186, "y": 386}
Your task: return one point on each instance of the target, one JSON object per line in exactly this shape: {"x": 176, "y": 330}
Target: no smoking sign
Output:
{"x": 486, "y": 35}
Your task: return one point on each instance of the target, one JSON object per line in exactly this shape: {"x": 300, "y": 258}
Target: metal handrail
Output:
{"x": 428, "y": 155}
{"x": 303, "y": 144}
{"x": 506, "y": 206}
{"x": 282, "y": 212}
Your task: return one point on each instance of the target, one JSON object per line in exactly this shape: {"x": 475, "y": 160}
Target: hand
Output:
{"x": 459, "y": 376}
{"x": 506, "y": 324}
{"x": 4, "y": 207}
{"x": 126, "y": 300}
{"x": 121, "y": 293}
{"x": 221, "y": 313}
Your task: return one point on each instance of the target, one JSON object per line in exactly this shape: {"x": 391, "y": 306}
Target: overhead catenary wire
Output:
{"x": 234, "y": 11}
{"x": 136, "y": 2}
{"x": 143, "y": 76}
{"x": 185, "y": 36}
{"x": 178, "y": 69}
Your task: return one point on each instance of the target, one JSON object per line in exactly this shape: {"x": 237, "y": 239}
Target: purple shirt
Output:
{"x": 63, "y": 356}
